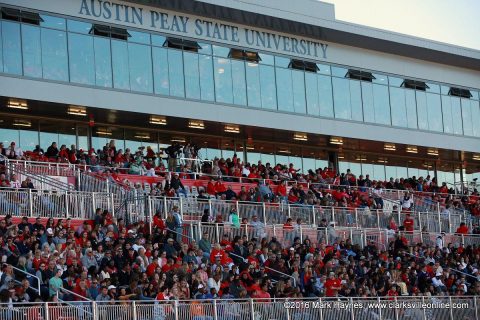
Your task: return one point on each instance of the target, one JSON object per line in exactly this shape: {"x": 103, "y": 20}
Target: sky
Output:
{"x": 452, "y": 21}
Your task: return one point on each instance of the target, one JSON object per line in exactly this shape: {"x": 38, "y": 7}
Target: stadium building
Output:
{"x": 268, "y": 80}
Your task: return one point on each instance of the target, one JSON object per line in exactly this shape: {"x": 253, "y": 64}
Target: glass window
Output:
{"x": 323, "y": 69}
{"x": 54, "y": 55}
{"x": 28, "y": 139}
{"x": 432, "y": 87}
{"x": 52, "y": 22}
{"x": 378, "y": 172}
{"x": 175, "y": 73}
{"x": 368, "y": 102}
{"x": 207, "y": 88}
{"x": 380, "y": 78}
{"x": 422, "y": 110}
{"x": 81, "y": 58}
{"x": 220, "y": 51}
{"x": 266, "y": 59}
{"x": 158, "y": 40}
{"x": 412, "y": 121}
{"x": 381, "y": 104}
{"x": 268, "y": 158}
{"x": 253, "y": 84}
{"x": 140, "y": 67}
{"x": 253, "y": 157}
{"x": 268, "y": 89}
{"x": 399, "y": 112}
{"x": 1, "y": 48}
{"x": 103, "y": 62}
{"x": 46, "y": 139}
{"x": 79, "y": 26}
{"x": 282, "y": 62}
{"x": 341, "y": 98}
{"x": 452, "y": 115}
{"x": 32, "y": 53}
{"x": 339, "y": 72}
{"x": 297, "y": 163}
{"x": 367, "y": 169}
{"x": 8, "y": 136}
{"x": 160, "y": 70}
{"x": 192, "y": 75}
{"x": 467, "y": 117}
{"x": 139, "y": 37}
{"x": 356, "y": 100}
{"x": 412, "y": 172}
{"x": 475, "y": 118}
{"x": 434, "y": 109}
{"x": 284, "y": 89}
{"x": 311, "y": 86}
{"x": 120, "y": 65}
{"x": 281, "y": 159}
{"x": 206, "y": 48}
{"x": 325, "y": 96}
{"x": 82, "y": 136}
{"x": 298, "y": 82}
{"x": 223, "y": 80}
{"x": 12, "y": 54}
{"x": 308, "y": 163}
{"x": 238, "y": 82}
{"x": 227, "y": 154}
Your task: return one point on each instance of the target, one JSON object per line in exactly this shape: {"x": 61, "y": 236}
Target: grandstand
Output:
{"x": 238, "y": 160}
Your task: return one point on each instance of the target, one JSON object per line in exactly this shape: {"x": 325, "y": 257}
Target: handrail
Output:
{"x": 30, "y": 274}
{"x": 73, "y": 293}
{"x": 180, "y": 234}
{"x": 284, "y": 274}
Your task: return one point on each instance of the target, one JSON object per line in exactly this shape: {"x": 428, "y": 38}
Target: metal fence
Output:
{"x": 399, "y": 308}
{"x": 50, "y": 203}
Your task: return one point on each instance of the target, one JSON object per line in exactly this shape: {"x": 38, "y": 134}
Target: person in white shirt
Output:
{"x": 440, "y": 242}
{"x": 14, "y": 183}
{"x": 245, "y": 171}
{"x": 406, "y": 201}
{"x": 215, "y": 282}
{"x": 437, "y": 282}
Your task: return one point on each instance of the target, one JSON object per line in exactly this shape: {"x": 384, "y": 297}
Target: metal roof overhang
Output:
{"x": 316, "y": 32}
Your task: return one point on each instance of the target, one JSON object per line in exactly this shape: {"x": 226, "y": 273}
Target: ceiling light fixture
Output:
{"x": 336, "y": 140}
{"x": 412, "y": 149}
{"x": 104, "y": 132}
{"x": 17, "y": 104}
{"x": 22, "y": 123}
{"x": 476, "y": 157}
{"x": 232, "y": 128}
{"x": 77, "y": 111}
{"x": 432, "y": 151}
{"x": 178, "y": 139}
{"x": 158, "y": 120}
{"x": 143, "y": 136}
{"x": 389, "y": 146}
{"x": 196, "y": 124}
{"x": 300, "y": 136}
{"x": 361, "y": 158}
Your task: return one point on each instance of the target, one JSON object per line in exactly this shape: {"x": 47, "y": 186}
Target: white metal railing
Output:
{"x": 405, "y": 307}
{"x": 29, "y": 275}
{"x": 57, "y": 204}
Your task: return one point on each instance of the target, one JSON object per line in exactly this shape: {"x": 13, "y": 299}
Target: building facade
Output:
{"x": 259, "y": 78}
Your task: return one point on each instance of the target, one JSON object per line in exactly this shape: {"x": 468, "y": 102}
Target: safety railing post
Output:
{"x": 356, "y": 217}
{"x": 45, "y": 312}
{"x": 210, "y": 209}
{"x": 288, "y": 210}
{"x": 264, "y": 212}
{"x": 112, "y": 201}
{"x": 378, "y": 219}
{"x": 379, "y": 308}
{"x": 313, "y": 215}
{"x": 134, "y": 310}
{"x": 150, "y": 214}
{"x": 252, "y": 309}
{"x": 217, "y": 232}
{"x": 439, "y": 222}
{"x": 450, "y": 307}
{"x": 30, "y": 202}
{"x": 93, "y": 204}
{"x": 333, "y": 217}
{"x": 94, "y": 310}
{"x": 301, "y": 233}
{"x": 165, "y": 208}
{"x": 67, "y": 213}
{"x": 215, "y": 311}
{"x": 191, "y": 231}
{"x": 475, "y": 306}
{"x": 352, "y": 312}
{"x": 176, "y": 309}
{"x": 449, "y": 223}
{"x": 274, "y": 231}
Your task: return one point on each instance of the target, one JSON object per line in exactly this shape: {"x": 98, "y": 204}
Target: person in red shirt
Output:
{"x": 220, "y": 187}
{"x": 463, "y": 229}
{"x": 263, "y": 294}
{"x": 158, "y": 221}
{"x": 332, "y": 285}
{"x": 408, "y": 223}
{"x": 164, "y": 294}
{"x": 392, "y": 293}
{"x": 211, "y": 188}
{"x": 152, "y": 267}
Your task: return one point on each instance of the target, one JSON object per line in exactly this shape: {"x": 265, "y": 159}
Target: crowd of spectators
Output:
{"x": 276, "y": 183}
{"x": 106, "y": 260}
